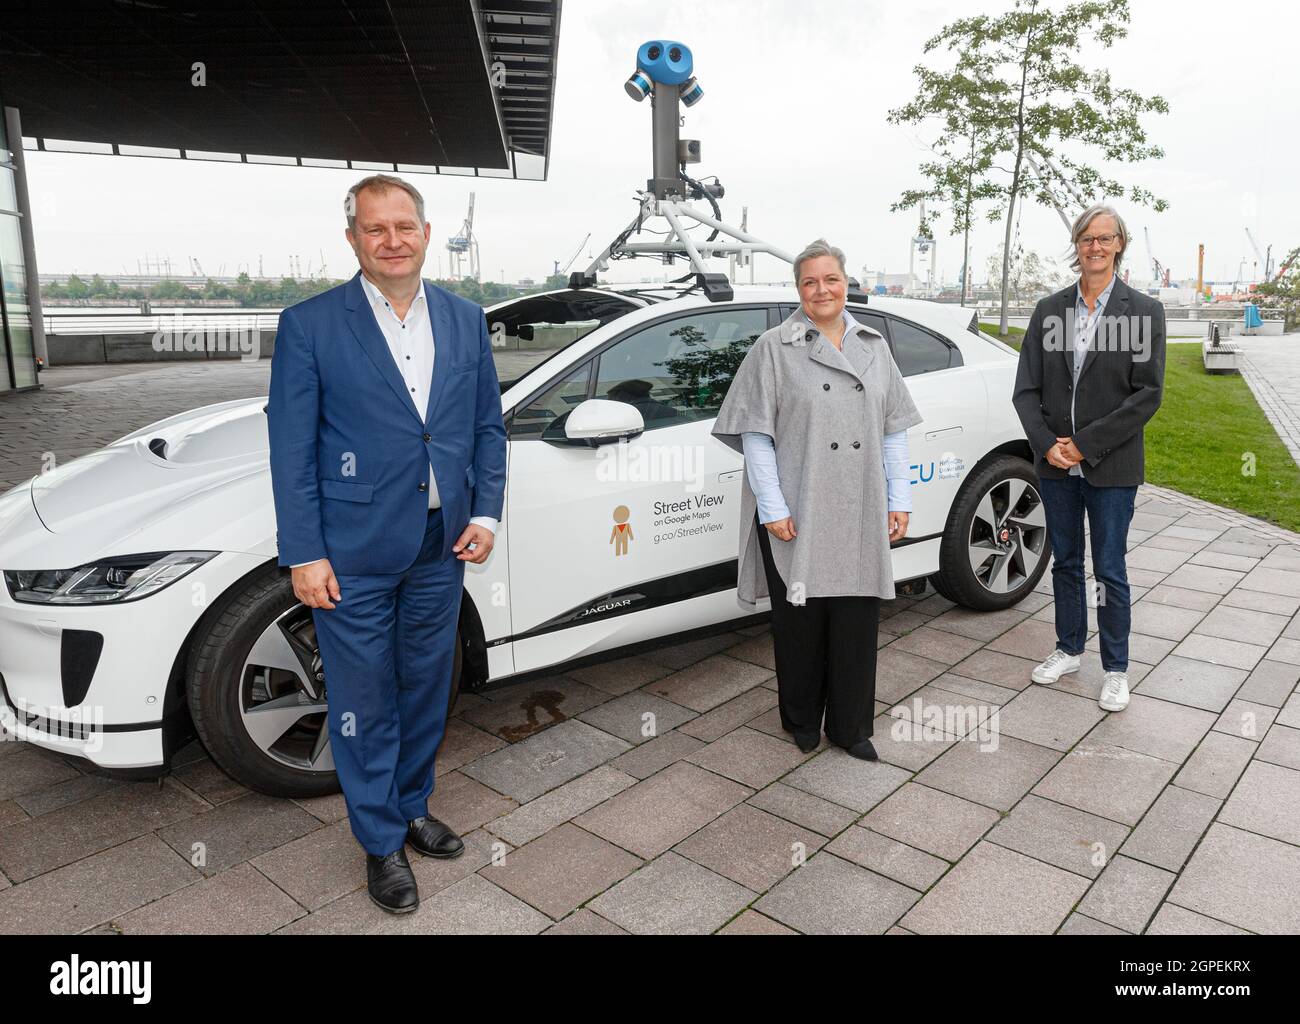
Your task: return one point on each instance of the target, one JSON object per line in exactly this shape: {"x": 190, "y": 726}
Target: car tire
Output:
{"x": 941, "y": 588}
{"x": 226, "y": 689}
{"x": 1014, "y": 562}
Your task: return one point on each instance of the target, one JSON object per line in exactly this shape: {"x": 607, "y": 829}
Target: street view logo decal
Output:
{"x": 622, "y": 532}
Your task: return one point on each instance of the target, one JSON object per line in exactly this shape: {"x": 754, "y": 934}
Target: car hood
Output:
{"x": 200, "y": 480}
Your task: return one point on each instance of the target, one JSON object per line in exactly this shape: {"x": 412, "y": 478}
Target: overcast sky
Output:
{"x": 793, "y": 121}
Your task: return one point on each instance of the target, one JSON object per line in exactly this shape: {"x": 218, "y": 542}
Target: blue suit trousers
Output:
{"x": 387, "y": 649}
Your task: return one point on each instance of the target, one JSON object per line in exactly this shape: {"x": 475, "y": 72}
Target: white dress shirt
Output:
{"x": 410, "y": 342}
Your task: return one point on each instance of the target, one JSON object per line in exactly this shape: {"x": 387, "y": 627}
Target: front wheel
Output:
{"x": 994, "y": 549}
{"x": 257, "y": 691}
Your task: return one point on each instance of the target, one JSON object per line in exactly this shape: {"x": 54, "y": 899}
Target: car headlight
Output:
{"x": 109, "y": 580}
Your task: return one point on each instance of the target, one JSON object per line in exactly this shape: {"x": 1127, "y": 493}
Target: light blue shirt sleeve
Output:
{"x": 760, "y": 468}
{"x": 898, "y": 471}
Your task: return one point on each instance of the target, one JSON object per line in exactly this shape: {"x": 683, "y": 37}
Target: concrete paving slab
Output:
{"x": 830, "y": 896}
{"x": 996, "y": 891}
{"x": 672, "y": 896}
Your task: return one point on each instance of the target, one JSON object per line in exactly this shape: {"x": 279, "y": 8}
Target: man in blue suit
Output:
{"x": 388, "y": 466}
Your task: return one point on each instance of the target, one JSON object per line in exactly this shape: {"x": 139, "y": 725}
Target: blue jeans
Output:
{"x": 1110, "y": 510}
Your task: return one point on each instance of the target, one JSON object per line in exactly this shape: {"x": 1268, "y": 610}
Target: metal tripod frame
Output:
{"x": 678, "y": 242}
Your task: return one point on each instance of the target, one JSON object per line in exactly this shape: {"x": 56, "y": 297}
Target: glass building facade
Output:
{"x": 17, "y": 355}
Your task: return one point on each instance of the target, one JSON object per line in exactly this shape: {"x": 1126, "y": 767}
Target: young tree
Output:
{"x": 1018, "y": 76}
{"x": 959, "y": 173}
{"x": 1285, "y": 289}
{"x": 1030, "y": 276}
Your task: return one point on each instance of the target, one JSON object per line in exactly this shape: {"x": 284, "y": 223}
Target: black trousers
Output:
{"x": 825, "y": 658}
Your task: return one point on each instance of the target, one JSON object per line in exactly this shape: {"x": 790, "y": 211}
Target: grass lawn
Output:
{"x": 1014, "y": 334}
{"x": 1198, "y": 442}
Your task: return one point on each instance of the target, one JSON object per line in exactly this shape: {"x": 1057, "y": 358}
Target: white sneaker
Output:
{"x": 1058, "y": 663}
{"x": 1114, "y": 692}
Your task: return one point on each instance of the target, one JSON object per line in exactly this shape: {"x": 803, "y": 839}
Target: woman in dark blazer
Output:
{"x": 1091, "y": 372}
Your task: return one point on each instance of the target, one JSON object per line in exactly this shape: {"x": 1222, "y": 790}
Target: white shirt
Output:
{"x": 410, "y": 342}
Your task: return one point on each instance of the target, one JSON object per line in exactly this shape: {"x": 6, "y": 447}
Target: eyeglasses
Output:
{"x": 1087, "y": 240}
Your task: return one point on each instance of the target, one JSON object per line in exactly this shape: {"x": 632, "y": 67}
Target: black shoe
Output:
{"x": 391, "y": 882}
{"x": 809, "y": 742}
{"x": 864, "y": 750}
{"x": 434, "y": 839}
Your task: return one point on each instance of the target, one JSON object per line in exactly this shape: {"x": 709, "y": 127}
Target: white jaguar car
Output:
{"x": 142, "y": 603}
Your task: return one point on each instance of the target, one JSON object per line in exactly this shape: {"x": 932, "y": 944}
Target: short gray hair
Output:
{"x": 821, "y": 247}
{"x": 381, "y": 183}
{"x": 1081, "y": 225}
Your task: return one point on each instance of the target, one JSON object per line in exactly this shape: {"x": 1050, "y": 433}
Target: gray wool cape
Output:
{"x": 827, "y": 411}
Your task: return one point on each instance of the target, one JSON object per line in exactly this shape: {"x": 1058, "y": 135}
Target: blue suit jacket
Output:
{"x": 349, "y": 450}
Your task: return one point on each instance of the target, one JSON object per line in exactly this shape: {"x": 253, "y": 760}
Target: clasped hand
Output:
{"x": 1064, "y": 454}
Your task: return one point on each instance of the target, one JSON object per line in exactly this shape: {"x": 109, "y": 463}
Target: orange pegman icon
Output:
{"x": 622, "y": 532}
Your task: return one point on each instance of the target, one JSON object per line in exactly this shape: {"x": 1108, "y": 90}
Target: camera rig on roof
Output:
{"x": 664, "y": 73}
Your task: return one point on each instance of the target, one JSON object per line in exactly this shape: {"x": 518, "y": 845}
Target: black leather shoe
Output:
{"x": 434, "y": 839}
{"x": 864, "y": 750}
{"x": 809, "y": 742}
{"x": 391, "y": 882}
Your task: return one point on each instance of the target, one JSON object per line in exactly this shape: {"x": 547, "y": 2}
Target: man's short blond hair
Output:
{"x": 380, "y": 183}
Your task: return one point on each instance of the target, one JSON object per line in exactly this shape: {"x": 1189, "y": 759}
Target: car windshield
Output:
{"x": 551, "y": 322}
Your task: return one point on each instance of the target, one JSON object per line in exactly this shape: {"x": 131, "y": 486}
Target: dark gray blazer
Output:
{"x": 1119, "y": 389}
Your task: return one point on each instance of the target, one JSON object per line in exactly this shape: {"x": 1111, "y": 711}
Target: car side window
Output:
{"x": 916, "y": 350}
{"x": 873, "y": 320}
{"x": 544, "y": 417}
{"x": 554, "y": 320}
{"x": 679, "y": 371}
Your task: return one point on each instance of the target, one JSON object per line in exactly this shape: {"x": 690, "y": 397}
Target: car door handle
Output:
{"x": 729, "y": 475}
{"x": 945, "y": 432}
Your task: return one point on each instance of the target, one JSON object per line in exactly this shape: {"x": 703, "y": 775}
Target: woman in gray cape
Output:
{"x": 820, "y": 411}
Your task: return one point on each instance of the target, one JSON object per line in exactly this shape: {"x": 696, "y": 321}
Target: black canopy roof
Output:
{"x": 448, "y": 83}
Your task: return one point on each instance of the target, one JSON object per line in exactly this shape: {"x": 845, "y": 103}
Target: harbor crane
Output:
{"x": 923, "y": 242}
{"x": 1265, "y": 259}
{"x": 464, "y": 244}
{"x": 1159, "y": 272}
{"x": 576, "y": 253}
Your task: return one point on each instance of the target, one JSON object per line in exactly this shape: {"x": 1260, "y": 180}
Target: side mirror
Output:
{"x": 524, "y": 332}
{"x": 601, "y": 421}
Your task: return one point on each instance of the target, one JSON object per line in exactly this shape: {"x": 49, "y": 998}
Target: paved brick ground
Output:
{"x": 1271, "y": 367}
{"x": 1181, "y": 814}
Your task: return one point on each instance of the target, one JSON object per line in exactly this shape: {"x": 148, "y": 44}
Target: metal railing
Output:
{"x": 68, "y": 322}
{"x": 1206, "y": 312}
